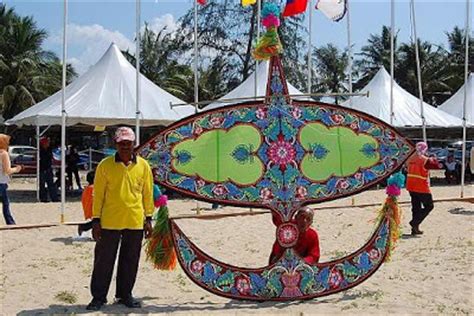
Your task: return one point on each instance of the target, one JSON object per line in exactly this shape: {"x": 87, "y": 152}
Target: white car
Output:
{"x": 17, "y": 150}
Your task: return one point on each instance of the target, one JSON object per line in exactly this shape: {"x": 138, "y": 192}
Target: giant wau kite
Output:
{"x": 279, "y": 154}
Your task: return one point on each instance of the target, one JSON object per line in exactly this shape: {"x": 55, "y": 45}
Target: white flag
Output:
{"x": 333, "y": 9}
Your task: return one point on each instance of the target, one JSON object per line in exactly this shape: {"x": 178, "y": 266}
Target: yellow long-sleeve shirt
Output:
{"x": 123, "y": 195}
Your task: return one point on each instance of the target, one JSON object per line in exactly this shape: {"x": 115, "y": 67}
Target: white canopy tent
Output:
{"x": 454, "y": 105}
{"x": 406, "y": 107}
{"x": 105, "y": 95}
{"x": 247, "y": 88}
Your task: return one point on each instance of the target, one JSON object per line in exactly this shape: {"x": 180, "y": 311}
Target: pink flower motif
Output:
{"x": 266, "y": 194}
{"x": 296, "y": 113}
{"x": 343, "y": 184}
{"x": 301, "y": 193}
{"x": 358, "y": 176}
{"x": 216, "y": 121}
{"x": 200, "y": 183}
{"x": 337, "y": 118}
{"x": 261, "y": 113}
{"x": 354, "y": 126}
{"x": 196, "y": 266}
{"x": 335, "y": 278}
{"x": 220, "y": 190}
{"x": 242, "y": 284}
{"x": 197, "y": 130}
{"x": 287, "y": 234}
{"x": 281, "y": 153}
{"x": 374, "y": 254}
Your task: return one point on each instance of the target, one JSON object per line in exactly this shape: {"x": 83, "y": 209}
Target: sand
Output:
{"x": 47, "y": 270}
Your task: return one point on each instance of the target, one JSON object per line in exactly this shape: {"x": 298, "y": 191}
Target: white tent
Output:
{"x": 405, "y": 106}
{"x": 454, "y": 105}
{"x": 247, "y": 88}
{"x": 105, "y": 95}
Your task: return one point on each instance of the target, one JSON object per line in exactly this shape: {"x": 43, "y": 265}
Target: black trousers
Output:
{"x": 421, "y": 206}
{"x": 104, "y": 259}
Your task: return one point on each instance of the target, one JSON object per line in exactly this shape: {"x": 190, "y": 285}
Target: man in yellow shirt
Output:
{"x": 122, "y": 210}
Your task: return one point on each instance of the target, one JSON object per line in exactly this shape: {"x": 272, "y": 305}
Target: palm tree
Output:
{"x": 331, "y": 64}
{"x": 434, "y": 67}
{"x": 28, "y": 74}
{"x": 375, "y": 55}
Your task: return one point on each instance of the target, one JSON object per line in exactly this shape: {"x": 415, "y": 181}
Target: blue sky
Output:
{"x": 94, "y": 24}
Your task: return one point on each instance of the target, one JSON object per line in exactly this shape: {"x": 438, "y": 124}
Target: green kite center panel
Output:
{"x": 220, "y": 155}
{"x": 336, "y": 150}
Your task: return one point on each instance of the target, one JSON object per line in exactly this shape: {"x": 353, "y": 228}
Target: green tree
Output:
{"x": 375, "y": 55}
{"x": 331, "y": 64}
{"x": 28, "y": 73}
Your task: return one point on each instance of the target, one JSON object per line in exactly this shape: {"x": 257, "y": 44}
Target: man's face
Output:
{"x": 125, "y": 148}
{"x": 304, "y": 219}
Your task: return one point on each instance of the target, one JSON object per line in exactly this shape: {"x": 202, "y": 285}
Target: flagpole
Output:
{"x": 63, "y": 116}
{"x": 464, "y": 108}
{"x": 310, "y": 46}
{"x": 196, "y": 78}
{"x": 349, "y": 50}
{"x": 418, "y": 70}
{"x": 392, "y": 57}
{"x": 137, "y": 68}
{"x": 257, "y": 63}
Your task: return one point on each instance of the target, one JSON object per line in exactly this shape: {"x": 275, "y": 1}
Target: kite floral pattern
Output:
{"x": 286, "y": 156}
{"x": 290, "y": 277}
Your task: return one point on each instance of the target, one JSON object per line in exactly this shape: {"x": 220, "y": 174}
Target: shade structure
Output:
{"x": 105, "y": 95}
{"x": 406, "y": 107}
{"x": 247, "y": 88}
{"x": 455, "y": 104}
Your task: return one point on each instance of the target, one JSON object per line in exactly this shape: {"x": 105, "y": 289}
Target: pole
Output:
{"x": 349, "y": 50}
{"x": 392, "y": 57}
{"x": 464, "y": 108}
{"x": 37, "y": 161}
{"x": 257, "y": 63}
{"x": 63, "y": 118}
{"x": 196, "y": 77}
{"x": 418, "y": 70}
{"x": 137, "y": 67}
{"x": 90, "y": 159}
{"x": 310, "y": 46}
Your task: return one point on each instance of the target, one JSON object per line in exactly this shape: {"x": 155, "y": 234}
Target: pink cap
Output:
{"x": 421, "y": 148}
{"x": 124, "y": 133}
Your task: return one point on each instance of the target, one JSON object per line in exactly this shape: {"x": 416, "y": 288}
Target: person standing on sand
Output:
{"x": 419, "y": 187}
{"x": 5, "y": 171}
{"x": 122, "y": 211}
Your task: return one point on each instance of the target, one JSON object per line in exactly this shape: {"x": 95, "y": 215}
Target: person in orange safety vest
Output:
{"x": 418, "y": 185}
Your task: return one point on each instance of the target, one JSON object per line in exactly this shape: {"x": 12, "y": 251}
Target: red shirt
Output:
{"x": 307, "y": 247}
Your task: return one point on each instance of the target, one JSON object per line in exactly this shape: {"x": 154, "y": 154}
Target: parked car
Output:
{"x": 82, "y": 164}
{"x": 25, "y": 156}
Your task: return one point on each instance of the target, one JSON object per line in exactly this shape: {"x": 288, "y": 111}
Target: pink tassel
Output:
{"x": 271, "y": 20}
{"x": 161, "y": 201}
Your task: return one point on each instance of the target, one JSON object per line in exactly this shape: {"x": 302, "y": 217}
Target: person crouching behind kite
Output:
{"x": 418, "y": 185}
{"x": 307, "y": 245}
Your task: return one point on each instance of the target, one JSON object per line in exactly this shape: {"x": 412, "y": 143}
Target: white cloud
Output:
{"x": 158, "y": 23}
{"x": 87, "y": 43}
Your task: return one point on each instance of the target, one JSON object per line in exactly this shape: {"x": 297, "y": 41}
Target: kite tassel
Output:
{"x": 159, "y": 247}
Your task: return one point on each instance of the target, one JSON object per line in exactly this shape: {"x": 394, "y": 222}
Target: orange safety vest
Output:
{"x": 418, "y": 175}
{"x": 87, "y": 201}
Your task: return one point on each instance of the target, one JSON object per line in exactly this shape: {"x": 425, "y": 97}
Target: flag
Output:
{"x": 332, "y": 9}
{"x": 248, "y": 2}
{"x": 294, "y": 7}
{"x": 201, "y": 2}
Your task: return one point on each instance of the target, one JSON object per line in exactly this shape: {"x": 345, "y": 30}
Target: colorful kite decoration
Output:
{"x": 279, "y": 154}
{"x": 269, "y": 44}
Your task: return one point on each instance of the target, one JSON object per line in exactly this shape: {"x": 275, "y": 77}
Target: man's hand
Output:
{"x": 96, "y": 231}
{"x": 148, "y": 228}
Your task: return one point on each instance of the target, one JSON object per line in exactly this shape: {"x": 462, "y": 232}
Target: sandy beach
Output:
{"x": 47, "y": 270}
